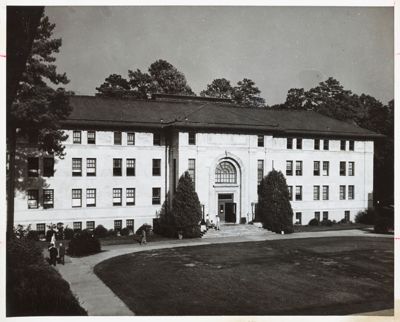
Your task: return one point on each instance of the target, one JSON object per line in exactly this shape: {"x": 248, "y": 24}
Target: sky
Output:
{"x": 277, "y": 47}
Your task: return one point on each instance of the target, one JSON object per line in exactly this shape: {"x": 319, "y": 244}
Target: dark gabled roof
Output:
{"x": 91, "y": 111}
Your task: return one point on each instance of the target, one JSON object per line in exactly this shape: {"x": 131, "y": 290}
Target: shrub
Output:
{"x": 68, "y": 233}
{"x": 384, "y": 220}
{"x": 313, "y": 222}
{"x": 83, "y": 243}
{"x": 366, "y": 217}
{"x": 147, "y": 227}
{"x": 33, "y": 287}
{"x": 274, "y": 208}
{"x": 125, "y": 231}
{"x": 191, "y": 231}
{"x": 100, "y": 231}
{"x": 32, "y": 235}
{"x": 112, "y": 233}
{"x": 327, "y": 222}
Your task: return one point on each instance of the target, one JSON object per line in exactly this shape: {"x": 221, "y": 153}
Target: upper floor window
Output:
{"x": 290, "y": 191}
{"x": 48, "y": 167}
{"x": 130, "y": 167}
{"x": 299, "y": 192}
{"x": 325, "y": 192}
{"x": 342, "y": 192}
{"x": 192, "y": 138}
{"x": 342, "y": 168}
{"x": 326, "y": 144}
{"x": 316, "y": 144}
{"x": 76, "y": 167}
{"x": 351, "y": 192}
{"x": 316, "y": 193}
{"x": 299, "y": 143}
{"x": 117, "y": 197}
{"x": 33, "y": 199}
{"x": 90, "y": 197}
{"x": 225, "y": 172}
{"x": 192, "y": 170}
{"x": 156, "y": 139}
{"x": 131, "y": 138}
{"x": 91, "y": 167}
{"x": 260, "y": 140}
{"x": 325, "y": 168}
{"x": 156, "y": 196}
{"x": 260, "y": 171}
{"x": 130, "y": 196}
{"x": 351, "y": 168}
{"x": 316, "y": 168}
{"x": 48, "y": 198}
{"x": 156, "y": 167}
{"x": 289, "y": 168}
{"x": 91, "y": 137}
{"x": 351, "y": 145}
{"x": 76, "y": 197}
{"x": 343, "y": 145}
{"x": 289, "y": 143}
{"x": 77, "y": 137}
{"x": 33, "y": 167}
{"x": 117, "y": 167}
{"x": 299, "y": 168}
{"x": 117, "y": 138}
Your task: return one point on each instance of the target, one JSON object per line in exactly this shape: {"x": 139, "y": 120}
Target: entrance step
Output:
{"x": 234, "y": 230}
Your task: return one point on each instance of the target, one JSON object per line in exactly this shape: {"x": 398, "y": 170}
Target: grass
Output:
{"x": 316, "y": 276}
{"x": 133, "y": 239}
{"x": 347, "y": 226}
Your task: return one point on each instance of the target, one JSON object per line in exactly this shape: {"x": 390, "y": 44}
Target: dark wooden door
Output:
{"x": 230, "y": 212}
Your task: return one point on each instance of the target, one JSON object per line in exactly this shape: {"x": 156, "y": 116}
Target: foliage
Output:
{"x": 100, "y": 231}
{"x": 68, "y": 233}
{"x": 366, "y": 217}
{"x": 33, "y": 235}
{"x": 33, "y": 287}
{"x": 327, "y": 222}
{"x": 83, "y": 243}
{"x": 219, "y": 88}
{"x": 274, "y": 207}
{"x": 313, "y": 222}
{"x": 145, "y": 227}
{"x": 125, "y": 231}
{"x": 114, "y": 86}
{"x": 384, "y": 220}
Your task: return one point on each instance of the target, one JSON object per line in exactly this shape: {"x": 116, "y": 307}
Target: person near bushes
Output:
{"x": 143, "y": 239}
{"x": 53, "y": 254}
{"x": 61, "y": 253}
{"x": 217, "y": 219}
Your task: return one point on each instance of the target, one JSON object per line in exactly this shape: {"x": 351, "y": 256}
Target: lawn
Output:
{"x": 316, "y": 276}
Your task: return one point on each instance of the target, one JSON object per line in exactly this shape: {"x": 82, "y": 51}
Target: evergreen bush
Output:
{"x": 125, "y": 231}
{"x": 83, "y": 243}
{"x": 68, "y": 233}
{"x": 366, "y": 217}
{"x": 274, "y": 208}
{"x": 100, "y": 231}
{"x": 313, "y": 222}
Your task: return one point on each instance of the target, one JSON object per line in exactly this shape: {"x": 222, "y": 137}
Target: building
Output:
{"x": 124, "y": 158}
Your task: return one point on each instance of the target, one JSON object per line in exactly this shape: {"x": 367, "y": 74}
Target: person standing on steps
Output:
{"x": 217, "y": 222}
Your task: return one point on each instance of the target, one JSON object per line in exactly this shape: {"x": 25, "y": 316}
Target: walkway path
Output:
{"x": 98, "y": 299}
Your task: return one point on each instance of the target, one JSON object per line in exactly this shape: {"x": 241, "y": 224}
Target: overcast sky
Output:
{"x": 279, "y": 48}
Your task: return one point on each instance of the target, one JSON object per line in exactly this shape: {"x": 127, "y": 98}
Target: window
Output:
{"x": 299, "y": 168}
{"x": 342, "y": 192}
{"x": 41, "y": 228}
{"x": 77, "y": 225}
{"x": 351, "y": 146}
{"x": 90, "y": 197}
{"x": 326, "y": 144}
{"x": 91, "y": 137}
{"x": 192, "y": 170}
{"x": 77, "y": 137}
{"x": 317, "y": 215}
{"x": 299, "y": 192}
{"x": 130, "y": 223}
{"x": 225, "y": 172}
{"x": 131, "y": 138}
{"x": 343, "y": 145}
{"x": 117, "y": 167}
{"x": 130, "y": 167}
{"x": 33, "y": 199}
{"x": 117, "y": 225}
{"x": 347, "y": 215}
{"x": 156, "y": 199}
{"x": 91, "y": 167}
{"x": 299, "y": 143}
{"x": 316, "y": 144}
{"x": 289, "y": 168}
{"x": 290, "y": 190}
{"x": 48, "y": 198}
{"x": 192, "y": 138}
{"x": 48, "y": 167}
{"x": 342, "y": 170}
{"x": 351, "y": 192}
{"x": 316, "y": 168}
{"x": 76, "y": 167}
{"x": 130, "y": 196}
{"x": 156, "y": 139}
{"x": 325, "y": 192}
{"x": 289, "y": 143}
{"x": 316, "y": 193}
{"x": 260, "y": 140}
{"x": 33, "y": 167}
{"x": 76, "y": 197}
{"x": 117, "y": 138}
{"x": 325, "y": 215}
{"x": 90, "y": 225}
{"x": 298, "y": 218}
{"x": 117, "y": 197}
{"x": 156, "y": 167}
{"x": 351, "y": 168}
{"x": 260, "y": 171}
{"x": 325, "y": 168}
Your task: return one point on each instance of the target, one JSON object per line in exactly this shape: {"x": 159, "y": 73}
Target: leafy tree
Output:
{"x": 38, "y": 107}
{"x": 273, "y": 206}
{"x": 246, "y": 93}
{"x": 186, "y": 208}
{"x": 142, "y": 85}
{"x": 296, "y": 99}
{"x": 219, "y": 88}
{"x": 114, "y": 86}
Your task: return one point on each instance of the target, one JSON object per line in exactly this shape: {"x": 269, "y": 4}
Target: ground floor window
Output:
{"x": 77, "y": 225}
{"x": 317, "y": 215}
{"x": 298, "y": 218}
{"x": 347, "y": 215}
{"x": 41, "y": 228}
{"x": 90, "y": 225}
{"x": 117, "y": 224}
{"x": 130, "y": 223}
{"x": 325, "y": 215}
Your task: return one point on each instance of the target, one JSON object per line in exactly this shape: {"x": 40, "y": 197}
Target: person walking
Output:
{"x": 217, "y": 222}
{"x": 53, "y": 254}
{"x": 61, "y": 253}
{"x": 143, "y": 239}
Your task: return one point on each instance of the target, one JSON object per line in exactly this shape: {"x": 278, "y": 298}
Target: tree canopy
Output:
{"x": 219, "y": 88}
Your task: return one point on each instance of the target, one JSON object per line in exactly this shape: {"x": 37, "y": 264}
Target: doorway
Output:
{"x": 226, "y": 208}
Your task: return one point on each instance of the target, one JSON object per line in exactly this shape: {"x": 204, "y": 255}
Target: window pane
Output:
{"x": 76, "y": 167}
{"x": 117, "y": 138}
{"x": 77, "y": 137}
{"x": 91, "y": 137}
{"x": 326, "y": 144}
{"x": 299, "y": 192}
{"x": 91, "y": 167}
{"x": 325, "y": 192}
{"x": 156, "y": 199}
{"x": 342, "y": 170}
{"x": 289, "y": 143}
{"x": 117, "y": 167}
{"x": 325, "y": 168}
{"x": 48, "y": 198}
{"x": 342, "y": 192}
{"x": 48, "y": 167}
{"x": 130, "y": 196}
{"x": 91, "y": 197}
{"x": 117, "y": 197}
{"x": 192, "y": 138}
{"x": 131, "y": 138}
{"x": 316, "y": 193}
{"x": 90, "y": 225}
{"x": 289, "y": 168}
{"x": 351, "y": 145}
{"x": 260, "y": 140}
{"x": 290, "y": 190}
{"x": 299, "y": 143}
{"x": 77, "y": 225}
{"x": 156, "y": 139}
{"x": 343, "y": 145}
{"x": 33, "y": 167}
{"x": 351, "y": 168}
{"x": 192, "y": 170}
{"x": 316, "y": 168}
{"x": 33, "y": 198}
{"x": 225, "y": 173}
{"x": 316, "y": 144}
{"x": 299, "y": 168}
{"x": 130, "y": 167}
{"x": 76, "y": 197}
{"x": 351, "y": 192}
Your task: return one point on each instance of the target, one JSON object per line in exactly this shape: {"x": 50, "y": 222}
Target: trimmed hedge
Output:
{"x": 83, "y": 243}
{"x": 313, "y": 222}
{"x": 34, "y": 288}
{"x": 100, "y": 231}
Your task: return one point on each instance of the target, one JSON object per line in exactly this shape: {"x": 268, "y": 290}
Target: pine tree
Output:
{"x": 274, "y": 207}
{"x": 186, "y": 209}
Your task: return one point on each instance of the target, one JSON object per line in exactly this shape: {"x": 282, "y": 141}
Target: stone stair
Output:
{"x": 235, "y": 230}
